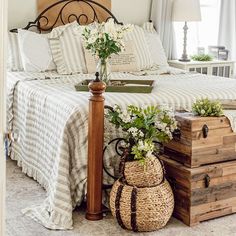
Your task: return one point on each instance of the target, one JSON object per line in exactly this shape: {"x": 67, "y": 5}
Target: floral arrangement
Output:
{"x": 144, "y": 127}
{"x": 206, "y": 107}
{"x": 103, "y": 40}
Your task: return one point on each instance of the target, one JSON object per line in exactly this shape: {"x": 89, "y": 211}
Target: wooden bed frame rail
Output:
{"x": 95, "y": 150}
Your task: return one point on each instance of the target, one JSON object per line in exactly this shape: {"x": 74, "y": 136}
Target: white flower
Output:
{"x": 140, "y": 145}
{"x": 173, "y": 126}
{"x": 169, "y": 134}
{"x": 203, "y": 112}
{"x": 109, "y": 27}
{"x": 150, "y": 155}
{"x": 92, "y": 39}
{"x": 125, "y": 117}
{"x": 161, "y": 126}
{"x": 141, "y": 134}
{"x": 116, "y": 108}
{"x": 133, "y": 131}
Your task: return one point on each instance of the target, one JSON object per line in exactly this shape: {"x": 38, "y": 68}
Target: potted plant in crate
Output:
{"x": 145, "y": 130}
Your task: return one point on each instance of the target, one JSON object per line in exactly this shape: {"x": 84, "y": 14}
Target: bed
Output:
{"x": 51, "y": 118}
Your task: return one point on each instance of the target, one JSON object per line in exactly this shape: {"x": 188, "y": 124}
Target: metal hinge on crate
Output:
{"x": 10, "y": 137}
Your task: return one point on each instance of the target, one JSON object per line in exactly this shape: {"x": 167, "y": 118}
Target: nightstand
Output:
{"x": 215, "y": 67}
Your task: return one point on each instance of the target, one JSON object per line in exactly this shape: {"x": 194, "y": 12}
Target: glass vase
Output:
{"x": 104, "y": 69}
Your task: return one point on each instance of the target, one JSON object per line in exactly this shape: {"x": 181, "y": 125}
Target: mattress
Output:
{"x": 52, "y": 121}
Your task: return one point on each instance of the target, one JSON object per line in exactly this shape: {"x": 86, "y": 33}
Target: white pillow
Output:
{"x": 137, "y": 36}
{"x": 14, "y": 62}
{"x": 35, "y": 51}
{"x": 155, "y": 45}
{"x": 67, "y": 49}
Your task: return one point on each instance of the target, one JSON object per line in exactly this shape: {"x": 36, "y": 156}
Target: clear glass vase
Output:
{"x": 104, "y": 69}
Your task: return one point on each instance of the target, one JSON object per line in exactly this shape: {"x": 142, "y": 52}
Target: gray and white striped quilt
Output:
{"x": 52, "y": 120}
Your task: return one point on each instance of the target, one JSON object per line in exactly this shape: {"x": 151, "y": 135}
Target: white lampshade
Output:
{"x": 186, "y": 10}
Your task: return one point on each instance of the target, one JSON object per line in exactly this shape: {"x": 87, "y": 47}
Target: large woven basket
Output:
{"x": 142, "y": 209}
{"x": 138, "y": 175}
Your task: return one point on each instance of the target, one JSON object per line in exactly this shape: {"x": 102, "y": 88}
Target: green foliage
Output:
{"x": 104, "y": 39}
{"x": 143, "y": 127}
{"x": 202, "y": 57}
{"x": 205, "y": 107}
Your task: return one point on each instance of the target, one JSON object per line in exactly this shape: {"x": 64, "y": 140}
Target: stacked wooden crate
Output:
{"x": 201, "y": 166}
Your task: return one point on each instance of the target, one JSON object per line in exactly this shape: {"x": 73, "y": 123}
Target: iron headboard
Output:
{"x": 43, "y": 24}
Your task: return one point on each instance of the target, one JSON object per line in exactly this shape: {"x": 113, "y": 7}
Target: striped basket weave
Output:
{"x": 136, "y": 174}
{"x": 141, "y": 209}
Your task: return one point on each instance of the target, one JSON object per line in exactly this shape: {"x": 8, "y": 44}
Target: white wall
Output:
{"x": 131, "y": 11}
{"x": 20, "y": 12}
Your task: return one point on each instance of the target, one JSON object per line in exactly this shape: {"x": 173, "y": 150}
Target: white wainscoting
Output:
{"x": 3, "y": 46}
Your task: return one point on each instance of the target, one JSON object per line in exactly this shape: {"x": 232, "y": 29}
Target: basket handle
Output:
{"x": 163, "y": 168}
{"x": 133, "y": 207}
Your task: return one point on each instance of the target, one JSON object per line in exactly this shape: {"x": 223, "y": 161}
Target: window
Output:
{"x": 200, "y": 34}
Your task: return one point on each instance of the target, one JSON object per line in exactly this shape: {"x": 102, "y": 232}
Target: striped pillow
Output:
{"x": 148, "y": 26}
{"x": 123, "y": 62}
{"x": 155, "y": 45}
{"x": 67, "y": 49}
{"x": 14, "y": 62}
{"x": 137, "y": 35}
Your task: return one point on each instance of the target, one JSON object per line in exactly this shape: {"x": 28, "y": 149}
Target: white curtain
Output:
{"x": 161, "y": 15}
{"x": 227, "y": 26}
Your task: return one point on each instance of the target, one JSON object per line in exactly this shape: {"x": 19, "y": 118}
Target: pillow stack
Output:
{"x": 63, "y": 50}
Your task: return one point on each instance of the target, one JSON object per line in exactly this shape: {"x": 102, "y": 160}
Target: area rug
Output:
{"x": 22, "y": 191}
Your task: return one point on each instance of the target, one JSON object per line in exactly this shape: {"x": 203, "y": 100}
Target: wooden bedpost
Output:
{"x": 95, "y": 149}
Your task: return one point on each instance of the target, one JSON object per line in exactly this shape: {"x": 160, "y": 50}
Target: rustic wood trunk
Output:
{"x": 193, "y": 149}
{"x": 202, "y": 193}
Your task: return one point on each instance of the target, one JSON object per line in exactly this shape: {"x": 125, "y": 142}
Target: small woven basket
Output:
{"x": 138, "y": 175}
{"x": 142, "y": 209}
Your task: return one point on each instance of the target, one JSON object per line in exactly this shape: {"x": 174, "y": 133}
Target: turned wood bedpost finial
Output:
{"x": 95, "y": 149}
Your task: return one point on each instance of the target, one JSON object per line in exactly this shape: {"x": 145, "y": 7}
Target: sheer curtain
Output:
{"x": 227, "y": 27}
{"x": 161, "y": 15}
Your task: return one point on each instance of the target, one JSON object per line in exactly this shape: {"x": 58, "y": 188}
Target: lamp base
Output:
{"x": 184, "y": 57}
{"x": 184, "y": 60}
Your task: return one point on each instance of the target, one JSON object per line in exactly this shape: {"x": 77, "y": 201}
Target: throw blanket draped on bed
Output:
{"x": 52, "y": 120}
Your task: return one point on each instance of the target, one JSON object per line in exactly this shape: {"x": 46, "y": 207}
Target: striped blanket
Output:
{"x": 52, "y": 120}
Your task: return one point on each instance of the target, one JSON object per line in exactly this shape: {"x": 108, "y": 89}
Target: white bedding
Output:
{"x": 52, "y": 121}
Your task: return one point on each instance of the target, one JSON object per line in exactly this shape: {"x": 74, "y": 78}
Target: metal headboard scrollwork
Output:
{"x": 43, "y": 24}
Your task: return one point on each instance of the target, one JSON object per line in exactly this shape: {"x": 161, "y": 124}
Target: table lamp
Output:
{"x": 186, "y": 10}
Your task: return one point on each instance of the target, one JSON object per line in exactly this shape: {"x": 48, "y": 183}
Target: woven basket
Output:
{"x": 142, "y": 209}
{"x": 135, "y": 173}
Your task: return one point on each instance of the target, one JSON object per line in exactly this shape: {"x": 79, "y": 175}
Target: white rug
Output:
{"x": 23, "y": 191}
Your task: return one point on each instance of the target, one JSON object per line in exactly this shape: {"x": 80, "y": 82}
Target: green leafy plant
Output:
{"x": 143, "y": 128}
{"x": 206, "y": 107}
{"x": 104, "y": 39}
{"x": 202, "y": 57}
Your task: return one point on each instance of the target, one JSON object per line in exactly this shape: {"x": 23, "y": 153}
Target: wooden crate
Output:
{"x": 193, "y": 149}
{"x": 202, "y": 193}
